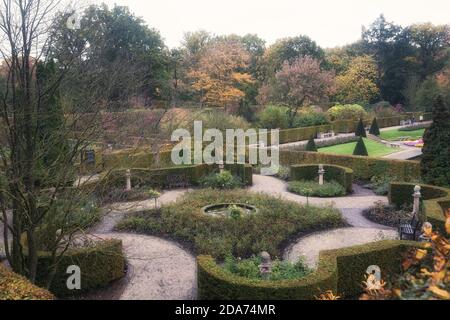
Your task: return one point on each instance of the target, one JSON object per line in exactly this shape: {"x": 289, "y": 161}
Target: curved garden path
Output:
{"x": 158, "y": 269}
{"x": 360, "y": 231}
{"x": 162, "y": 269}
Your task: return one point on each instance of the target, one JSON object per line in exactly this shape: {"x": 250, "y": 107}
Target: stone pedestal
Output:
{"x": 128, "y": 178}
{"x": 265, "y": 268}
{"x": 416, "y": 196}
{"x": 321, "y": 173}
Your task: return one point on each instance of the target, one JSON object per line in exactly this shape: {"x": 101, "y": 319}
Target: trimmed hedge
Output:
{"x": 340, "y": 270}
{"x": 17, "y": 287}
{"x": 159, "y": 177}
{"x": 342, "y": 175}
{"x": 435, "y": 201}
{"x": 363, "y": 167}
{"x": 99, "y": 264}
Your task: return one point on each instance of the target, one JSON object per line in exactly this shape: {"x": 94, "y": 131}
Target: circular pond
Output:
{"x": 226, "y": 209}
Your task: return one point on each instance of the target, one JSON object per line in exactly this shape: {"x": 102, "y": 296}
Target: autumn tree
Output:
{"x": 357, "y": 84}
{"x": 219, "y": 74}
{"x": 289, "y": 49}
{"x": 299, "y": 83}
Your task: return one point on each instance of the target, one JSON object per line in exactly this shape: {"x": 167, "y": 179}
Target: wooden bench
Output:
{"x": 177, "y": 181}
{"x": 410, "y": 229}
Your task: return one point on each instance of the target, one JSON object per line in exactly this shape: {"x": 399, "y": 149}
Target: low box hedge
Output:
{"x": 363, "y": 167}
{"x": 435, "y": 201}
{"x": 99, "y": 264}
{"x": 17, "y": 287}
{"x": 342, "y": 175}
{"x": 159, "y": 177}
{"x": 340, "y": 270}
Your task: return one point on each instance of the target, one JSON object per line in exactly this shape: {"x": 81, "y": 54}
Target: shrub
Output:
{"x": 122, "y": 195}
{"x": 360, "y": 148}
{"x": 17, "y": 287}
{"x": 218, "y": 119}
{"x": 283, "y": 173}
{"x": 308, "y": 117}
{"x": 387, "y": 214}
{"x": 347, "y": 112}
{"x": 249, "y": 268}
{"x": 314, "y": 189}
{"x": 269, "y": 229}
{"x": 374, "y": 129}
{"x": 273, "y": 117}
{"x": 100, "y": 264}
{"x": 360, "y": 129}
{"x": 311, "y": 146}
{"x": 221, "y": 180}
{"x": 380, "y": 184}
{"x": 343, "y": 175}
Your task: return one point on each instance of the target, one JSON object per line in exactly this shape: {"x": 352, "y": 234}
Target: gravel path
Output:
{"x": 361, "y": 230}
{"x": 311, "y": 245}
{"x": 158, "y": 269}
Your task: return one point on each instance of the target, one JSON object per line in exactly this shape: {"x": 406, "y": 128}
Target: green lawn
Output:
{"x": 375, "y": 149}
{"x": 394, "y": 134}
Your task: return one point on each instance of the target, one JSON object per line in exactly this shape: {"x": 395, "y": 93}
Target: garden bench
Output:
{"x": 177, "y": 181}
{"x": 409, "y": 229}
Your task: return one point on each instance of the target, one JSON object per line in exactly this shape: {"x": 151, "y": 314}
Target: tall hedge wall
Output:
{"x": 342, "y": 175}
{"x": 435, "y": 200}
{"x": 340, "y": 270}
{"x": 363, "y": 167}
{"x": 99, "y": 265}
{"x": 17, "y": 287}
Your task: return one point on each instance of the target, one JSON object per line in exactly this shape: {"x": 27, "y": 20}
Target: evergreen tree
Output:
{"x": 435, "y": 163}
{"x": 311, "y": 145}
{"x": 360, "y": 148}
{"x": 360, "y": 130}
{"x": 374, "y": 129}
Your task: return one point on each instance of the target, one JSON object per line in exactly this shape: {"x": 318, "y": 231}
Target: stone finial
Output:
{"x": 265, "y": 268}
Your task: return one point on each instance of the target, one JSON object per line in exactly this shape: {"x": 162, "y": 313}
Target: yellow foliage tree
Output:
{"x": 219, "y": 75}
{"x": 358, "y": 83}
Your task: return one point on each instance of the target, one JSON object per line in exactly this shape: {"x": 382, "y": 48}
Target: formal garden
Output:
{"x": 94, "y": 205}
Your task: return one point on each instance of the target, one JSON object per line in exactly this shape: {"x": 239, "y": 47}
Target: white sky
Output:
{"x": 329, "y": 22}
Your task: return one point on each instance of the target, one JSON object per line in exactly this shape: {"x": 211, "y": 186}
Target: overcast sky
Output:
{"x": 329, "y": 22}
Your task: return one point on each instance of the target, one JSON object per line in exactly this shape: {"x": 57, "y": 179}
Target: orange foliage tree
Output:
{"x": 219, "y": 74}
